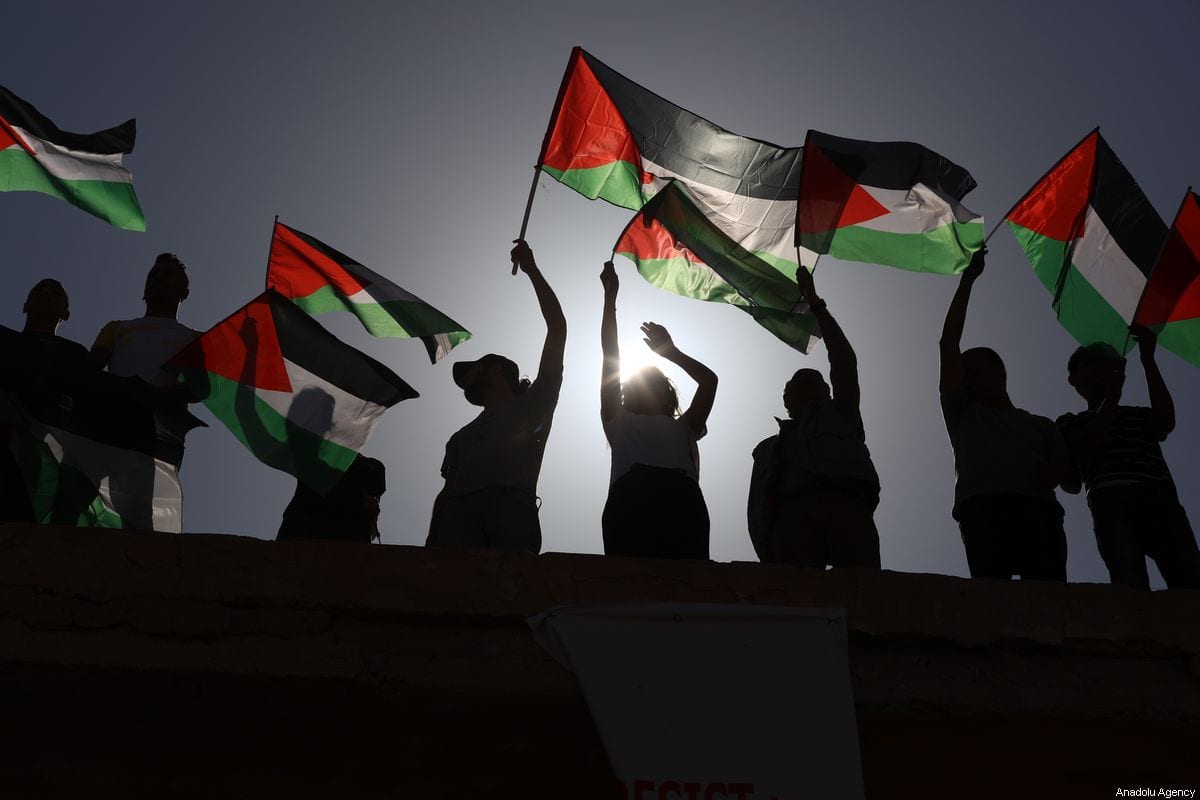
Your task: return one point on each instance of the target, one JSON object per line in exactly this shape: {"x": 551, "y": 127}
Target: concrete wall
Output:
{"x": 141, "y": 664}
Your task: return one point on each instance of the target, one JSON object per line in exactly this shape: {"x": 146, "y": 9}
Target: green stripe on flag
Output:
{"x": 1080, "y": 309}
{"x": 687, "y": 279}
{"x": 275, "y": 440}
{"x": 394, "y": 318}
{"x": 619, "y": 183}
{"x": 945, "y": 250}
{"x": 1183, "y": 339}
{"x": 1047, "y": 255}
{"x": 112, "y": 201}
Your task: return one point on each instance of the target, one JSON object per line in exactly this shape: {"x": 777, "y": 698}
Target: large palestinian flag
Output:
{"x": 1093, "y": 238}
{"x": 898, "y": 204}
{"x": 319, "y": 279}
{"x": 612, "y": 139}
{"x": 83, "y": 169}
{"x": 91, "y": 448}
{"x": 678, "y": 248}
{"x": 1171, "y": 302}
{"x": 298, "y": 398}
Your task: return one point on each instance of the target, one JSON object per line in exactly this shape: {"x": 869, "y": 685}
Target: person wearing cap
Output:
{"x": 492, "y": 463}
{"x": 655, "y": 508}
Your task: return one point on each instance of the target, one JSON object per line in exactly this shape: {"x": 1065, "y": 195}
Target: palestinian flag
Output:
{"x": 297, "y": 397}
{"x": 319, "y": 279}
{"x": 613, "y": 139}
{"x": 83, "y": 169}
{"x": 1171, "y": 302}
{"x": 1093, "y": 238}
{"x": 676, "y": 247}
{"x": 898, "y": 204}
{"x": 92, "y": 449}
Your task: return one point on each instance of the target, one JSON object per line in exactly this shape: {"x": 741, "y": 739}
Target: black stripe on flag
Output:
{"x": 695, "y": 148}
{"x": 114, "y": 140}
{"x": 1125, "y": 210}
{"x": 306, "y": 344}
{"x": 341, "y": 259}
{"x": 894, "y": 165}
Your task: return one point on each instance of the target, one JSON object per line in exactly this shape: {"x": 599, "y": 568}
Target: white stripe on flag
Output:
{"x": 76, "y": 165}
{"x": 1104, "y": 264}
{"x": 917, "y": 210}
{"x": 758, "y": 225}
{"x": 323, "y": 409}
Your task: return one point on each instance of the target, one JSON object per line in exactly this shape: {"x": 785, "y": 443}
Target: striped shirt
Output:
{"x": 1130, "y": 454}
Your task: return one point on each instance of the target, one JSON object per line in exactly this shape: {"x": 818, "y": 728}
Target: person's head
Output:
{"x": 1093, "y": 369}
{"x": 488, "y": 379}
{"x": 649, "y": 391}
{"x": 167, "y": 281}
{"x": 805, "y": 386}
{"x": 46, "y": 306}
{"x": 984, "y": 376}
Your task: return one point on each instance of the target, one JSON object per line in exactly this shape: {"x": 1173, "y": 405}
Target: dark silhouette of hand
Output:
{"x": 975, "y": 268}
{"x": 808, "y": 287}
{"x": 1147, "y": 339}
{"x": 522, "y": 257}
{"x": 657, "y": 338}
{"x": 608, "y": 278}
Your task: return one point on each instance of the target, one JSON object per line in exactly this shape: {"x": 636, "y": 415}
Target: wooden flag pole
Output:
{"x": 537, "y": 171}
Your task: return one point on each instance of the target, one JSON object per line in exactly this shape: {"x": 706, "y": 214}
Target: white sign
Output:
{"x": 715, "y": 702}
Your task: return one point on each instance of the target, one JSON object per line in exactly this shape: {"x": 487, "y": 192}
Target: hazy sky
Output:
{"x": 404, "y": 135}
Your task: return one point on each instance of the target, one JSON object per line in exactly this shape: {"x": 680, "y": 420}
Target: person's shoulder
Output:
{"x": 764, "y": 447}
{"x": 1071, "y": 418}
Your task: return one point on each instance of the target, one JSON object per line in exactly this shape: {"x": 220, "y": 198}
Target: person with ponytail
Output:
{"x": 655, "y": 508}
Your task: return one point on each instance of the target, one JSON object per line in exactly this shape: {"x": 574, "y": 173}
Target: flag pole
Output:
{"x": 270, "y": 247}
{"x": 576, "y": 54}
{"x": 528, "y": 208}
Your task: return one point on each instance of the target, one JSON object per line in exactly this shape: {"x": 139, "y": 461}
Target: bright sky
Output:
{"x": 404, "y": 135}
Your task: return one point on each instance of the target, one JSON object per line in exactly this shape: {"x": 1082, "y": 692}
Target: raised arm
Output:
{"x": 952, "y": 329}
{"x": 659, "y": 340}
{"x": 610, "y": 368}
{"x": 843, "y": 363}
{"x": 1162, "y": 407}
{"x": 556, "y": 321}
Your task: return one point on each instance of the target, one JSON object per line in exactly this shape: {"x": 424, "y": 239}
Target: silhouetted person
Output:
{"x": 1135, "y": 508}
{"x": 349, "y": 513}
{"x": 139, "y": 347}
{"x": 41, "y": 369}
{"x": 814, "y": 490}
{"x": 1007, "y": 460}
{"x": 655, "y": 508}
{"x": 492, "y": 464}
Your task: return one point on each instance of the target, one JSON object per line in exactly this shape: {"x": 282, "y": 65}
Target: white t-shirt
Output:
{"x": 141, "y": 346}
{"x": 656, "y": 440}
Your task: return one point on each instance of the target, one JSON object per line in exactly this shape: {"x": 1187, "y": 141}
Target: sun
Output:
{"x": 635, "y": 355}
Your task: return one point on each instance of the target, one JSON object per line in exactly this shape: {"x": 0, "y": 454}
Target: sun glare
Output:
{"x": 635, "y": 355}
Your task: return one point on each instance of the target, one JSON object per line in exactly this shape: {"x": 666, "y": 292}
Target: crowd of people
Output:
{"x": 813, "y": 488}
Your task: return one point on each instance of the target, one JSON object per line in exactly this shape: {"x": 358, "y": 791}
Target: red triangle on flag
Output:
{"x": 244, "y": 347}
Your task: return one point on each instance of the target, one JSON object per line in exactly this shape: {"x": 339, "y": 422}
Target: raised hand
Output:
{"x": 658, "y": 339}
{"x": 1147, "y": 339}
{"x": 608, "y": 278}
{"x": 808, "y": 287}
{"x": 522, "y": 257}
{"x": 975, "y": 268}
